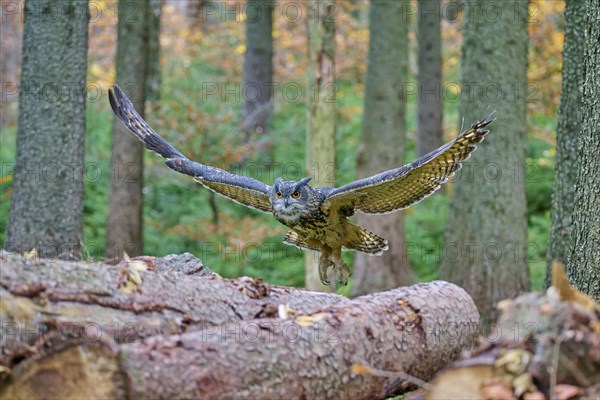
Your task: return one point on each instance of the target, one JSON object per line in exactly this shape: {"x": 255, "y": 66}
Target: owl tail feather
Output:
{"x": 366, "y": 241}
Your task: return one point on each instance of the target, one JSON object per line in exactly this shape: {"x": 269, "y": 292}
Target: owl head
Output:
{"x": 290, "y": 198}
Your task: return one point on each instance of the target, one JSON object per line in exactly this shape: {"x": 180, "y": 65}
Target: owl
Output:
{"x": 318, "y": 216}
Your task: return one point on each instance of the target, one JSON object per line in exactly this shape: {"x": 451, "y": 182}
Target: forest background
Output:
{"x": 200, "y": 107}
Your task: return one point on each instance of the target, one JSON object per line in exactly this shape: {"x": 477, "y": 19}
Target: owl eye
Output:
{"x": 296, "y": 194}
{"x": 278, "y": 194}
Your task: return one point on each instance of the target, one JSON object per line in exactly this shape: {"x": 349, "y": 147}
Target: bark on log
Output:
{"x": 176, "y": 294}
{"x": 238, "y": 350}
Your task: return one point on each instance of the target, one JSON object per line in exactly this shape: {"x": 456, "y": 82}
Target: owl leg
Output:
{"x": 343, "y": 271}
{"x": 325, "y": 263}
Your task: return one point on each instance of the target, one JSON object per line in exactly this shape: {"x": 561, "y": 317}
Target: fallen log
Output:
{"x": 298, "y": 350}
{"x": 174, "y": 294}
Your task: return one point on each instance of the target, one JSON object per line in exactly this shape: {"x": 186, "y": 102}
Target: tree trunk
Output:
{"x": 320, "y": 118}
{"x": 567, "y": 135}
{"x": 486, "y": 234}
{"x": 11, "y": 34}
{"x": 429, "y": 123}
{"x": 78, "y": 324}
{"x": 258, "y": 66}
{"x": 47, "y": 202}
{"x": 382, "y": 143}
{"x": 153, "y": 79}
{"x": 124, "y": 226}
{"x": 583, "y": 267}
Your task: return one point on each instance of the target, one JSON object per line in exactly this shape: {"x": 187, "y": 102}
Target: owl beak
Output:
{"x": 285, "y": 202}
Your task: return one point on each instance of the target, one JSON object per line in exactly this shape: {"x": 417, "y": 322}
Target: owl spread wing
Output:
{"x": 402, "y": 187}
{"x": 247, "y": 191}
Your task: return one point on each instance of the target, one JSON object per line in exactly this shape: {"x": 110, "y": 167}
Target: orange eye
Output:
{"x": 296, "y": 194}
{"x": 278, "y": 194}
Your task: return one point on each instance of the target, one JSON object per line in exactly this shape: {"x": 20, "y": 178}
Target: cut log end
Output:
{"x": 74, "y": 372}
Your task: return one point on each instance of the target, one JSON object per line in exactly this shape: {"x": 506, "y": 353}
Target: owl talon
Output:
{"x": 325, "y": 263}
{"x": 343, "y": 272}
{"x": 323, "y": 273}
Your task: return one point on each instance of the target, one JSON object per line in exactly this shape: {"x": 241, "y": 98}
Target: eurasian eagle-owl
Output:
{"x": 318, "y": 216}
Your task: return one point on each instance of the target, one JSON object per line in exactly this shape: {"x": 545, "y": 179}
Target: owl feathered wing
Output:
{"x": 247, "y": 191}
{"x": 402, "y": 187}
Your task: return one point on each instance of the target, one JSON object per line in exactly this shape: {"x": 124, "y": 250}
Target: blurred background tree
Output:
{"x": 153, "y": 78}
{"x": 382, "y": 142}
{"x": 321, "y": 113}
{"x": 125, "y": 220}
{"x": 486, "y": 231}
{"x": 429, "y": 60}
{"x": 258, "y": 69}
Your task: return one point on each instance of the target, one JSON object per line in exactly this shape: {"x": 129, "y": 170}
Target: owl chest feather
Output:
{"x": 327, "y": 229}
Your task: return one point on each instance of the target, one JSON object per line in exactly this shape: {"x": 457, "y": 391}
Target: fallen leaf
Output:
{"x": 568, "y": 292}
{"x": 514, "y": 361}
{"x": 137, "y": 264}
{"x": 566, "y": 392}
{"x": 460, "y": 383}
{"x": 359, "y": 369}
{"x": 503, "y": 304}
{"x": 497, "y": 389}
{"x": 310, "y": 320}
{"x": 546, "y": 308}
{"x": 534, "y": 396}
{"x": 523, "y": 384}
{"x": 31, "y": 255}
{"x": 284, "y": 311}
{"x": 130, "y": 280}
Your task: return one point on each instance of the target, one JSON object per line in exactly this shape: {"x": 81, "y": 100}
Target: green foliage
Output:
{"x": 538, "y": 233}
{"x": 7, "y": 158}
{"x": 539, "y": 175}
{"x": 425, "y": 224}
{"x": 97, "y": 177}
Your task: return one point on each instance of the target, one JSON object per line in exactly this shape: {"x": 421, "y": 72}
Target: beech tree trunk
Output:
{"x": 583, "y": 267}
{"x": 382, "y": 143}
{"x": 567, "y": 136}
{"x": 75, "y": 330}
{"x": 320, "y": 116}
{"x": 153, "y": 78}
{"x": 124, "y": 225}
{"x": 430, "y": 106}
{"x": 258, "y": 67}
{"x": 46, "y": 210}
